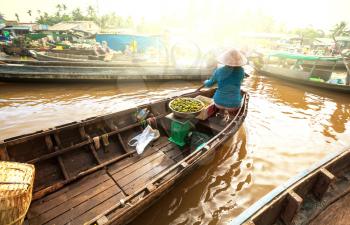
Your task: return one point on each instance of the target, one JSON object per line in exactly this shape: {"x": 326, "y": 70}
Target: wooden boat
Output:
{"x": 79, "y": 183}
{"x": 318, "y": 195}
{"x": 59, "y": 56}
{"x": 74, "y": 51}
{"x": 66, "y": 57}
{"x": 40, "y": 73}
{"x": 332, "y": 62}
{"x": 338, "y": 65}
{"x": 82, "y": 64}
{"x": 290, "y": 67}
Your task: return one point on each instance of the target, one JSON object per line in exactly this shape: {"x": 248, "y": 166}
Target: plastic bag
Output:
{"x": 142, "y": 140}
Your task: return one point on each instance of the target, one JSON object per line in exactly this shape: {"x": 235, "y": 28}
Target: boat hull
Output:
{"x": 29, "y": 73}
{"x": 303, "y": 81}
{"x": 57, "y": 199}
{"x": 306, "y": 198}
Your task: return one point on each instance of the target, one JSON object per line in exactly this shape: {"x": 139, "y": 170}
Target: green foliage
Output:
{"x": 340, "y": 29}
{"x": 105, "y": 21}
{"x": 309, "y": 32}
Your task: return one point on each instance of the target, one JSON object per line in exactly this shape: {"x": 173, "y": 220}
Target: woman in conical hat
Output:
{"x": 229, "y": 78}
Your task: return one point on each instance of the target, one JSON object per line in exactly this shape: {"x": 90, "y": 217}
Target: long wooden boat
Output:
{"x": 58, "y": 56}
{"x": 338, "y": 65}
{"x": 78, "y": 182}
{"x": 282, "y": 68}
{"x": 66, "y": 57}
{"x": 318, "y": 195}
{"x": 333, "y": 62}
{"x": 82, "y": 64}
{"x": 73, "y": 51}
{"x": 39, "y": 73}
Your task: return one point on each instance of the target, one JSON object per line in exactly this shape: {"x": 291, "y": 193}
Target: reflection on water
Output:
{"x": 288, "y": 128}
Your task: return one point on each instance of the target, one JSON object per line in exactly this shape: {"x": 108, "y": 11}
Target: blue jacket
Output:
{"x": 229, "y": 81}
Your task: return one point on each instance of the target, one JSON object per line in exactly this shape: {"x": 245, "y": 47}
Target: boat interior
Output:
{"x": 86, "y": 167}
{"x": 319, "y": 195}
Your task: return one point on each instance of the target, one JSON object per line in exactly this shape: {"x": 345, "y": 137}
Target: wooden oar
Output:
{"x": 198, "y": 89}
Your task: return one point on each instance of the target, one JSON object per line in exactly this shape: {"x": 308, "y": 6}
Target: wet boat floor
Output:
{"x": 90, "y": 196}
{"x": 337, "y": 213}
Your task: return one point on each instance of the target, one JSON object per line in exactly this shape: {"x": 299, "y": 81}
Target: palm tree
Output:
{"x": 59, "y": 7}
{"x": 16, "y": 14}
{"x": 91, "y": 12}
{"x": 30, "y": 13}
{"x": 64, "y": 7}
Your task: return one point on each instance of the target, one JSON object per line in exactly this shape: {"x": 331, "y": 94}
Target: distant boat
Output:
{"x": 66, "y": 56}
{"x": 86, "y": 173}
{"x": 291, "y": 68}
{"x": 34, "y": 72}
{"x": 318, "y": 195}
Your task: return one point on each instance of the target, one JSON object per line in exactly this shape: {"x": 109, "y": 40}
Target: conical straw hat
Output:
{"x": 232, "y": 57}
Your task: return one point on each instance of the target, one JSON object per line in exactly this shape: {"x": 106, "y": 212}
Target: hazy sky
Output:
{"x": 317, "y": 13}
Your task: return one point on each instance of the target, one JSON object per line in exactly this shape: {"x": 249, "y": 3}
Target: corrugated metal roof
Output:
{"x": 63, "y": 26}
{"x": 88, "y": 26}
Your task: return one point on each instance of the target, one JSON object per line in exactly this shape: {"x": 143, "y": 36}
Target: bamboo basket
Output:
{"x": 16, "y": 185}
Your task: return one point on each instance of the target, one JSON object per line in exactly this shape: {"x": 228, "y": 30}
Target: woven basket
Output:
{"x": 16, "y": 185}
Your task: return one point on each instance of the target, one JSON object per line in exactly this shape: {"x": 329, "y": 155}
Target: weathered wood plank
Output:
{"x": 92, "y": 213}
{"x": 79, "y": 145}
{"x": 83, "y": 135}
{"x": 53, "y": 148}
{"x": 335, "y": 214}
{"x": 325, "y": 178}
{"x": 134, "y": 174}
{"x": 144, "y": 161}
{"x": 58, "y": 185}
{"x": 65, "y": 194}
{"x": 141, "y": 181}
{"x": 87, "y": 205}
{"x": 47, "y": 173}
{"x": 293, "y": 204}
{"x": 118, "y": 166}
{"x": 73, "y": 203}
{"x": 4, "y": 156}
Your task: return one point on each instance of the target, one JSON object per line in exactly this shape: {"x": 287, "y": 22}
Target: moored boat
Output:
{"x": 290, "y": 67}
{"x": 318, "y": 195}
{"x": 66, "y": 57}
{"x": 86, "y": 173}
{"x": 121, "y": 72}
{"x": 56, "y": 56}
{"x": 81, "y": 63}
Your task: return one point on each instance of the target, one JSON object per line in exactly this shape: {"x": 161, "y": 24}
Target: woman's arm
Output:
{"x": 211, "y": 81}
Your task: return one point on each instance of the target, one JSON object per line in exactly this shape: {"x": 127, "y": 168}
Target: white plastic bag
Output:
{"x": 142, "y": 140}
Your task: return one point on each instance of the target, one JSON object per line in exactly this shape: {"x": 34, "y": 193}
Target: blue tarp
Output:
{"x": 118, "y": 42}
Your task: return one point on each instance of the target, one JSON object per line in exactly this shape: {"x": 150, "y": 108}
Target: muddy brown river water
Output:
{"x": 288, "y": 128}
